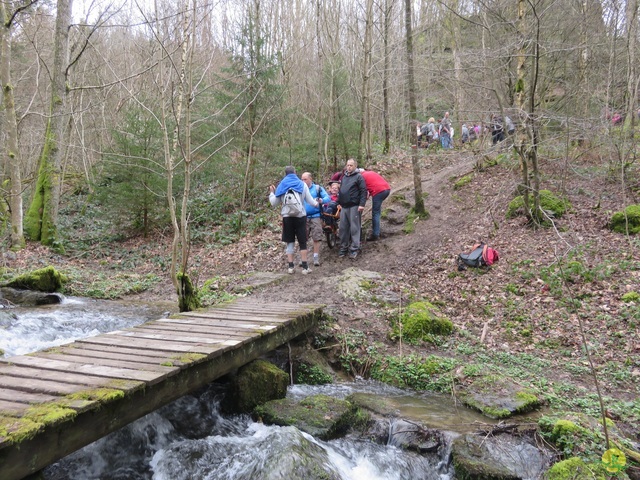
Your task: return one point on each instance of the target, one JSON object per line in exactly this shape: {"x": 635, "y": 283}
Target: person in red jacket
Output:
{"x": 378, "y": 189}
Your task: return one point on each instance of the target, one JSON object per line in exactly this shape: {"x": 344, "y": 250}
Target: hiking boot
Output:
{"x": 306, "y": 271}
{"x": 353, "y": 255}
{"x": 291, "y": 270}
{"x": 343, "y": 253}
{"x": 373, "y": 238}
{"x": 316, "y": 262}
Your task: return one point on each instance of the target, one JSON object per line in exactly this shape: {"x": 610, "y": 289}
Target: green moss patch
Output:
{"x": 46, "y": 279}
{"x": 548, "y": 201}
{"x": 629, "y": 217}
{"x": 256, "y": 383}
{"x": 421, "y": 321}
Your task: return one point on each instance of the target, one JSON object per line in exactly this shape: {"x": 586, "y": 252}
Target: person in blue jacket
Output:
{"x": 314, "y": 220}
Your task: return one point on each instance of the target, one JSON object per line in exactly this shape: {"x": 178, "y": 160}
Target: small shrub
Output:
{"x": 619, "y": 220}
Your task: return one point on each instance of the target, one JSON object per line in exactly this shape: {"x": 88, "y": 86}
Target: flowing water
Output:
{"x": 191, "y": 439}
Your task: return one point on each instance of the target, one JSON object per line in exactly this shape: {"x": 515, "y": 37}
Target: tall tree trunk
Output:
{"x": 42, "y": 217}
{"x": 366, "y": 73}
{"x": 11, "y": 128}
{"x": 632, "y": 69}
{"x": 388, "y": 10}
{"x": 418, "y": 206}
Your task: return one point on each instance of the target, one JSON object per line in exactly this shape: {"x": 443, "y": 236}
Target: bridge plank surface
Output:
{"x": 148, "y": 366}
{"x": 110, "y": 354}
{"x": 107, "y": 362}
{"x": 146, "y": 344}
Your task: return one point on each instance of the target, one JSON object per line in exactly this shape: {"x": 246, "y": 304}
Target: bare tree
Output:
{"x": 418, "y": 206}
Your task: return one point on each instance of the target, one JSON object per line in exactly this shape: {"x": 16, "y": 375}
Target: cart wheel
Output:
{"x": 331, "y": 238}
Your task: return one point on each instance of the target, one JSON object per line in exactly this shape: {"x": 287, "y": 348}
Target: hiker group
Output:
{"x": 303, "y": 203}
{"x": 441, "y": 132}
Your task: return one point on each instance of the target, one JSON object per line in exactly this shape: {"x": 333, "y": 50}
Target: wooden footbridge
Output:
{"x": 56, "y": 401}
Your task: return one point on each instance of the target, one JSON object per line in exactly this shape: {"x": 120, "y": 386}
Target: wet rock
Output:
{"x": 501, "y": 457}
{"x": 255, "y": 383}
{"x": 498, "y": 397}
{"x": 29, "y": 298}
{"x": 321, "y": 416}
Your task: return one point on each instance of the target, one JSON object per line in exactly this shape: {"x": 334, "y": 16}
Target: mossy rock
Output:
{"x": 421, "y": 321}
{"x": 549, "y": 202}
{"x": 256, "y": 383}
{"x": 618, "y": 221}
{"x": 321, "y": 416}
{"x": 498, "y": 397}
{"x": 46, "y": 279}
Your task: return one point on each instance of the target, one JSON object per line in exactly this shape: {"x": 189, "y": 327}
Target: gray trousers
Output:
{"x": 350, "y": 229}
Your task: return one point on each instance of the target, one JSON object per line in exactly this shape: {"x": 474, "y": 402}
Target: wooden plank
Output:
{"x": 26, "y": 397}
{"x": 40, "y": 386}
{"x": 109, "y": 354}
{"x": 167, "y": 347}
{"x": 207, "y": 328}
{"x": 86, "y": 369}
{"x": 268, "y": 325}
{"x": 29, "y": 372}
{"x": 12, "y": 408}
{"x": 131, "y": 364}
{"x": 177, "y": 332}
{"x": 141, "y": 334}
{"x": 127, "y": 350}
{"x": 233, "y": 317}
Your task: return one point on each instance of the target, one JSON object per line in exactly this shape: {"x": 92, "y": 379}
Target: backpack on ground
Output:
{"x": 292, "y": 205}
{"x": 480, "y": 255}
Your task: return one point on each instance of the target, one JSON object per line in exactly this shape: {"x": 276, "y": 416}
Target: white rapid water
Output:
{"x": 24, "y": 330}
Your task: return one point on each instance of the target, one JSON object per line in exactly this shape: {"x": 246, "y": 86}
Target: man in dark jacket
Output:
{"x": 352, "y": 197}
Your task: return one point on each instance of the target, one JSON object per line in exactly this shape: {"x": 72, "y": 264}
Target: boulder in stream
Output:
{"x": 321, "y": 416}
{"x": 498, "y": 457}
{"x": 29, "y": 298}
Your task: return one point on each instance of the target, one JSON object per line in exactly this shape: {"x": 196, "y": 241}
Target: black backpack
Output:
{"x": 480, "y": 255}
{"x": 471, "y": 259}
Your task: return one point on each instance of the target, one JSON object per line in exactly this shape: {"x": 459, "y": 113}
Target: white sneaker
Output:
{"x": 316, "y": 262}
{"x": 291, "y": 270}
{"x": 306, "y": 271}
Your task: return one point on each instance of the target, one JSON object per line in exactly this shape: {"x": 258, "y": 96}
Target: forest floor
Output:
{"x": 524, "y": 317}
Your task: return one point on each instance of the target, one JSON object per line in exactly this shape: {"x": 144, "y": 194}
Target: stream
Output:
{"x": 191, "y": 439}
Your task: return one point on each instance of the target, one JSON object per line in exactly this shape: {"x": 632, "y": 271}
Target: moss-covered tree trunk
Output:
{"x": 11, "y": 129}
{"x": 41, "y": 220}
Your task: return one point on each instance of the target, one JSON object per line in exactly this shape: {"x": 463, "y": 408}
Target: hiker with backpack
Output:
{"x": 314, "y": 220}
{"x": 351, "y": 197}
{"x": 291, "y": 194}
